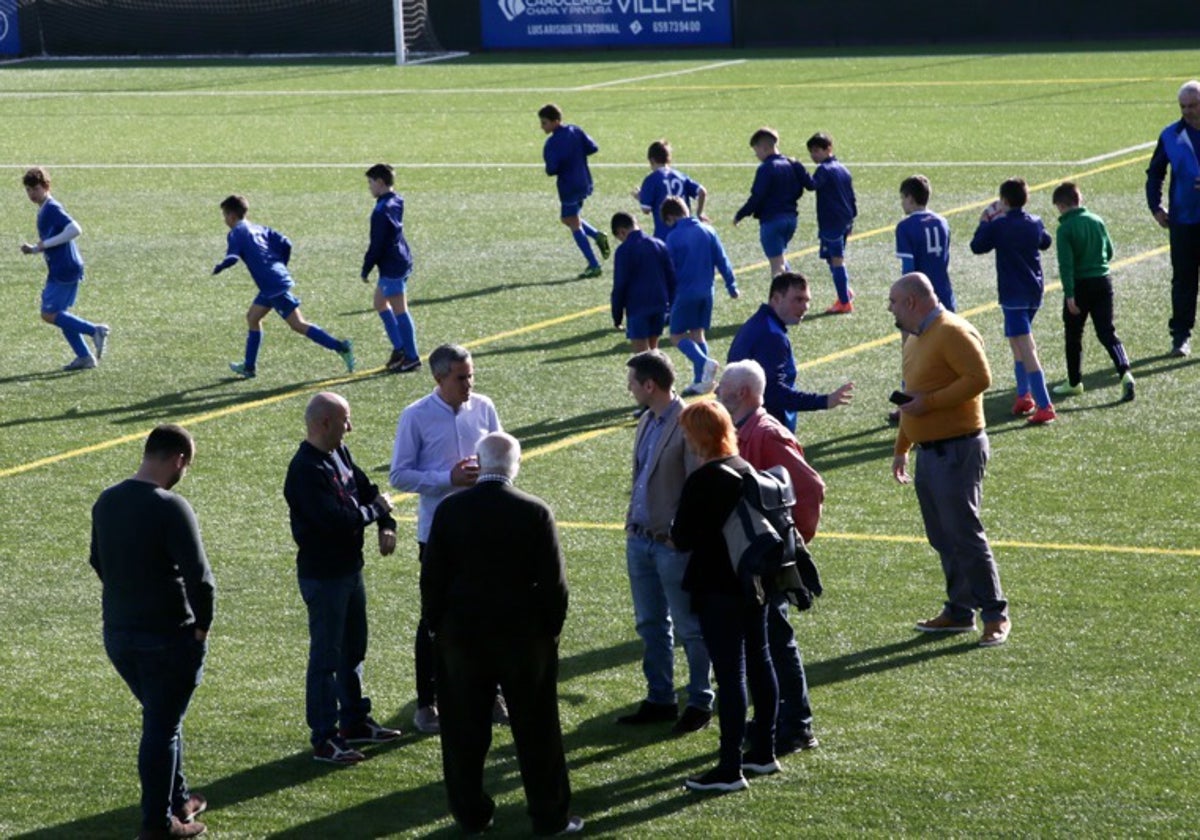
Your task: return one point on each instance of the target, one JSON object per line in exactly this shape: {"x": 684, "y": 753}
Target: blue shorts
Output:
{"x": 571, "y": 206}
{"x": 691, "y": 314}
{"x": 645, "y": 325}
{"x": 833, "y": 244}
{"x": 775, "y": 235}
{"x": 284, "y": 303}
{"x": 59, "y": 297}
{"x": 1018, "y": 322}
{"x": 393, "y": 286}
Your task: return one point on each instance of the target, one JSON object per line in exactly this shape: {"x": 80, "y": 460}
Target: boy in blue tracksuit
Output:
{"x": 696, "y": 253}
{"x": 836, "y": 210}
{"x": 565, "y": 153}
{"x": 643, "y": 284}
{"x": 1018, "y": 238}
{"x": 664, "y": 182}
{"x": 778, "y": 184}
{"x": 388, "y": 249}
{"x": 64, "y": 271}
{"x": 266, "y": 253}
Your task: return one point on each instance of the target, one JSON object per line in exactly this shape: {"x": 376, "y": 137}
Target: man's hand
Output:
{"x": 735, "y": 221}
{"x": 26, "y": 248}
{"x": 382, "y": 503}
{"x": 465, "y": 473}
{"x": 1071, "y": 307}
{"x": 841, "y": 396}
{"x": 1162, "y": 218}
{"x": 916, "y": 406}
{"x": 201, "y": 635}
{"x": 900, "y": 468}
{"x": 387, "y": 541}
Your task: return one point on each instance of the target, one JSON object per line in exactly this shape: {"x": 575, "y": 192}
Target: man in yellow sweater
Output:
{"x": 946, "y": 373}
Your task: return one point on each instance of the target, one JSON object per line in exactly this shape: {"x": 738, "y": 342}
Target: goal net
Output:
{"x": 220, "y": 28}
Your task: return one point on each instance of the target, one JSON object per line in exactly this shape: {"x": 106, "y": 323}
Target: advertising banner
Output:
{"x": 566, "y": 24}
{"x": 10, "y": 36}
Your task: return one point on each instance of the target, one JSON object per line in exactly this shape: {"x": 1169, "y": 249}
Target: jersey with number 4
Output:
{"x": 923, "y": 244}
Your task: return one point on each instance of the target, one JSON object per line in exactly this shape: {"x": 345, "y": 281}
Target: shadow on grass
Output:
{"x": 860, "y": 447}
{"x": 496, "y": 289}
{"x": 919, "y": 648}
{"x": 549, "y": 431}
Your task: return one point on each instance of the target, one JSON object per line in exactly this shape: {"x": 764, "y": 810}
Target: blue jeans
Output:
{"x": 949, "y": 484}
{"x": 162, "y": 670}
{"x": 337, "y": 631}
{"x": 735, "y": 630}
{"x": 662, "y": 609}
{"x": 795, "y": 713}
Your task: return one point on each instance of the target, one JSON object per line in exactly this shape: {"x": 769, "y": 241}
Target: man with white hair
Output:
{"x": 1177, "y": 148}
{"x": 765, "y": 442}
{"x": 494, "y": 596}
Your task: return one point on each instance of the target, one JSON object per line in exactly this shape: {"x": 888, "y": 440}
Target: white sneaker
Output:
{"x": 710, "y": 372}
{"x": 698, "y": 388}
{"x": 100, "y": 338}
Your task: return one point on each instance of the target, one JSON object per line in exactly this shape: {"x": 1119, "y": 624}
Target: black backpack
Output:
{"x": 768, "y": 554}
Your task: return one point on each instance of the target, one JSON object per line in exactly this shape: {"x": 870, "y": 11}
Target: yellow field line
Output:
{"x": 540, "y": 325}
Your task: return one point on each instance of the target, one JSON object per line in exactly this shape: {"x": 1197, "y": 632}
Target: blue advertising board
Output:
{"x": 566, "y": 24}
{"x": 10, "y": 35}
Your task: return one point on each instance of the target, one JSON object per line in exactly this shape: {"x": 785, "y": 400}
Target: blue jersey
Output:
{"x": 1178, "y": 147}
{"x": 1017, "y": 238}
{"x": 836, "y": 207}
{"x": 660, "y": 185}
{"x": 388, "y": 248}
{"x": 778, "y": 184}
{"x": 566, "y": 153}
{"x": 643, "y": 277}
{"x": 923, "y": 244}
{"x": 63, "y": 263}
{"x": 697, "y": 253}
{"x": 764, "y": 339}
{"x": 265, "y": 253}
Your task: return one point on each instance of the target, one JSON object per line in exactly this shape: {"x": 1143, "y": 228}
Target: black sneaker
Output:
{"x": 368, "y": 732}
{"x": 692, "y": 720}
{"x": 649, "y": 712}
{"x": 718, "y": 780}
{"x": 760, "y": 765}
{"x": 335, "y": 750}
{"x": 395, "y": 360}
{"x": 803, "y": 740}
{"x": 408, "y": 365}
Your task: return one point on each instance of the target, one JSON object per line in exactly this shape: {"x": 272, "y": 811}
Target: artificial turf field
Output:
{"x": 1085, "y": 723}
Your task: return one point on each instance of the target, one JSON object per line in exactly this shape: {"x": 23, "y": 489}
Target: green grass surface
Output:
{"x": 1084, "y": 724}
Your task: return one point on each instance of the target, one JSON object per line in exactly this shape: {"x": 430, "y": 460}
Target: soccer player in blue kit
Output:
{"x": 566, "y": 153}
{"x": 836, "y": 210}
{"x": 388, "y": 249}
{"x": 64, "y": 271}
{"x": 664, "y": 182}
{"x": 266, "y": 253}
{"x": 923, "y": 239}
{"x": 643, "y": 283}
{"x": 778, "y": 184}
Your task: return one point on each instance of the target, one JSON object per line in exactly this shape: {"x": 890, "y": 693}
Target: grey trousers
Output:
{"x": 949, "y": 484}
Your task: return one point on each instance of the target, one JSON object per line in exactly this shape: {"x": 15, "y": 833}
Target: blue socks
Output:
{"x": 253, "y": 342}
{"x": 73, "y": 330}
{"x": 408, "y": 334}
{"x": 392, "y": 328}
{"x": 581, "y": 241}
{"x": 1022, "y": 379}
{"x": 323, "y": 338}
{"x": 1037, "y": 384}
{"x": 841, "y": 282}
{"x": 696, "y": 354}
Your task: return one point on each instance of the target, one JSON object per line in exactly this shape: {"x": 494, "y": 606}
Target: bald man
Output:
{"x": 946, "y": 374}
{"x": 331, "y": 501}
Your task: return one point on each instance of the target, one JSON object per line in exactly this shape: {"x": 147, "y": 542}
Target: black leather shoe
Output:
{"x": 692, "y": 720}
{"x": 649, "y": 712}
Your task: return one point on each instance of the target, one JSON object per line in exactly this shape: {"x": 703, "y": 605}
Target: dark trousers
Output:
{"x": 162, "y": 671}
{"x": 423, "y": 655}
{"x": 949, "y": 484}
{"x": 735, "y": 633}
{"x": 1093, "y": 297}
{"x": 1185, "y": 279}
{"x": 795, "y": 713}
{"x": 337, "y": 646}
{"x": 526, "y": 668}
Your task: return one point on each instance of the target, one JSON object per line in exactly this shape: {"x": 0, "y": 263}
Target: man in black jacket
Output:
{"x": 158, "y": 607}
{"x": 331, "y": 501}
{"x": 494, "y": 594}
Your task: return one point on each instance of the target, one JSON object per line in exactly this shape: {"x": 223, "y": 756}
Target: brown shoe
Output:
{"x": 192, "y": 808}
{"x": 995, "y": 633}
{"x": 945, "y": 624}
{"x": 176, "y": 829}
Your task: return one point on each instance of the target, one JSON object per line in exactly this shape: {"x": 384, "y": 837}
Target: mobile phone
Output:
{"x": 899, "y": 398}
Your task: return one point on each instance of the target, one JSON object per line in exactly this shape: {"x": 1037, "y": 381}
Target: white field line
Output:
{"x": 1127, "y": 150}
{"x": 633, "y": 79}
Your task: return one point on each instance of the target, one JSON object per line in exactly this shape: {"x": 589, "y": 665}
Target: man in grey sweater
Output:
{"x": 157, "y": 602}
